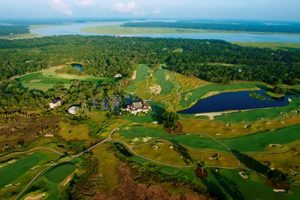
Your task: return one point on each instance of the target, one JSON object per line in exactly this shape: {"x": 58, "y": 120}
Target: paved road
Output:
{"x": 109, "y": 138}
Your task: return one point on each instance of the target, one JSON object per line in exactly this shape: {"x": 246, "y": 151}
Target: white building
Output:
{"x": 118, "y": 76}
{"x": 55, "y": 103}
{"x": 73, "y": 110}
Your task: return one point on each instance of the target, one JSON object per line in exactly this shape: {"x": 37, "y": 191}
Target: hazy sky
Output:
{"x": 214, "y": 9}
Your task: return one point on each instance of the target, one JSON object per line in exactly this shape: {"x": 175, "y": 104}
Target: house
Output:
{"x": 138, "y": 107}
{"x": 73, "y": 110}
{"x": 118, "y": 75}
{"x": 55, "y": 103}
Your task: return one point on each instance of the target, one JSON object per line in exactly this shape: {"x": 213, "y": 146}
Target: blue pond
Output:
{"x": 77, "y": 66}
{"x": 234, "y": 101}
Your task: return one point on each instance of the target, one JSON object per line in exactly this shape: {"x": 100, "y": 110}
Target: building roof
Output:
{"x": 56, "y": 100}
{"x": 73, "y": 109}
{"x": 137, "y": 104}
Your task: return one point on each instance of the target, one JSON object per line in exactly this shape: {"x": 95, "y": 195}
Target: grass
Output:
{"x": 139, "y": 119}
{"x": 108, "y": 167}
{"x": 73, "y": 132}
{"x": 248, "y": 143}
{"x": 141, "y": 75}
{"x": 60, "y": 172}
{"x": 271, "y": 45}
{"x": 224, "y": 184}
{"x": 46, "y": 79}
{"x": 13, "y": 171}
{"x": 163, "y": 79}
{"x": 119, "y": 30}
{"x": 251, "y": 116}
{"x": 162, "y": 154}
{"x": 260, "y": 141}
{"x": 194, "y": 95}
{"x": 187, "y": 83}
{"x": 290, "y": 161}
{"x": 227, "y": 184}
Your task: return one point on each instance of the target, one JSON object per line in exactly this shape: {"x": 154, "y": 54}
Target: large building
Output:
{"x": 138, "y": 107}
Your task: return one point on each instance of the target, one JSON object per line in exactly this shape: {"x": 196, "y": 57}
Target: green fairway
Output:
{"x": 141, "y": 73}
{"x": 140, "y": 76}
{"x": 228, "y": 184}
{"x": 60, "y": 172}
{"x": 251, "y": 116}
{"x": 224, "y": 184}
{"x": 194, "y": 95}
{"x": 249, "y": 143}
{"x": 259, "y": 141}
{"x": 45, "y": 81}
{"x": 10, "y": 172}
{"x": 162, "y": 77}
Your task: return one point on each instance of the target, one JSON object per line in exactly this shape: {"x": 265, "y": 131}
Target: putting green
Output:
{"x": 60, "y": 172}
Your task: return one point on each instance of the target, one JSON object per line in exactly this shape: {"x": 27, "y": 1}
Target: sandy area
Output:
{"x": 133, "y": 75}
{"x": 36, "y": 197}
{"x": 212, "y": 115}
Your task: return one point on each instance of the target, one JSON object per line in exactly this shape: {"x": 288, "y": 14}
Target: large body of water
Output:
{"x": 234, "y": 101}
{"x": 75, "y": 29}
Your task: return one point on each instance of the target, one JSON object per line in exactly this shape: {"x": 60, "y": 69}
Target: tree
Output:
{"x": 170, "y": 120}
{"x": 201, "y": 164}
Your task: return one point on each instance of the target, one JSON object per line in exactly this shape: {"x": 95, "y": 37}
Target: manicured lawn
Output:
{"x": 60, "y": 172}
{"x": 259, "y": 141}
{"x": 141, "y": 75}
{"x": 194, "y": 95}
{"x": 253, "y": 115}
{"x": 139, "y": 119}
{"x": 228, "y": 184}
{"x": 11, "y": 172}
{"x": 249, "y": 143}
{"x": 189, "y": 140}
{"x": 45, "y": 81}
{"x": 162, "y": 77}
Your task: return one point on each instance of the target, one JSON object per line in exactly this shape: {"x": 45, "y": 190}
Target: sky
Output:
{"x": 172, "y": 9}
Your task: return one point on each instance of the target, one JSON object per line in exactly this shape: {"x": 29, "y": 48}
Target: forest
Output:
{"x": 8, "y": 30}
{"x": 211, "y": 60}
{"x": 275, "y": 27}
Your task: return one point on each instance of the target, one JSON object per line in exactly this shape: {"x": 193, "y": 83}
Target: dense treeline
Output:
{"x": 212, "y": 60}
{"x": 8, "y": 30}
{"x": 15, "y": 97}
{"x": 278, "y": 27}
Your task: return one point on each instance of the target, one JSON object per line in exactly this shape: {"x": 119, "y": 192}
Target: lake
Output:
{"x": 234, "y": 101}
{"x": 75, "y": 29}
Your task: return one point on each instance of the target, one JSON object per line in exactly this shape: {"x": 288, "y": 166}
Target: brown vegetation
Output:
{"x": 130, "y": 189}
{"x": 25, "y": 128}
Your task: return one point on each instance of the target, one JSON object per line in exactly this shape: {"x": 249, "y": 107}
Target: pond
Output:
{"x": 77, "y": 66}
{"x": 235, "y": 101}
